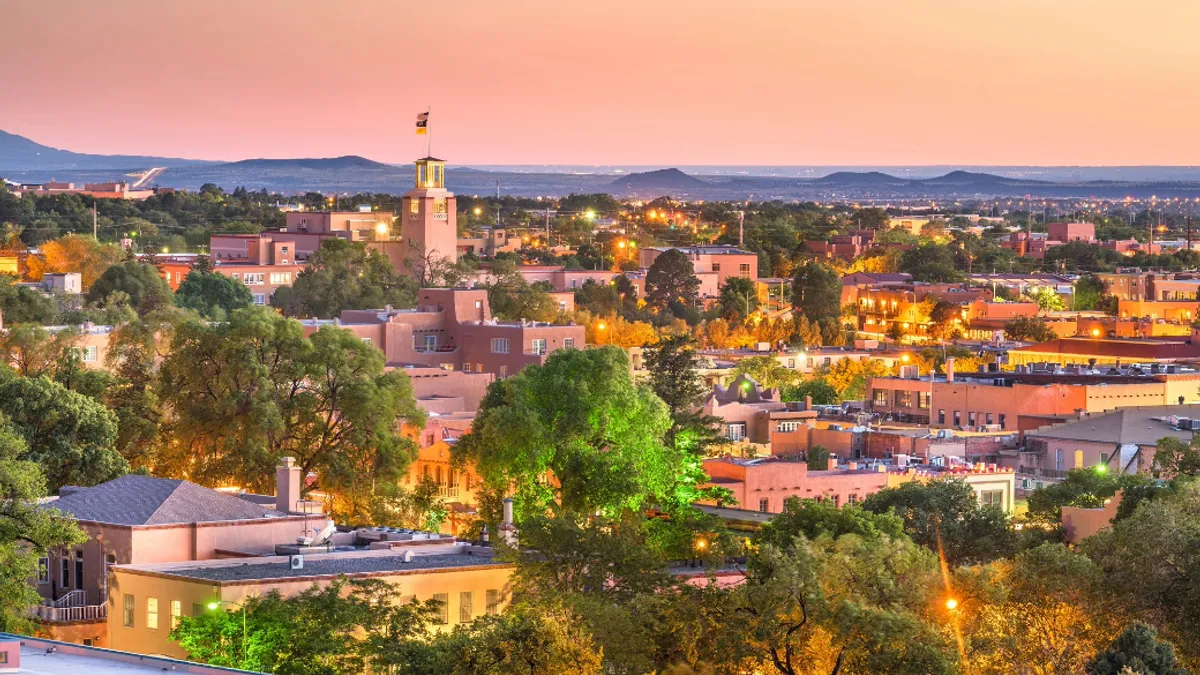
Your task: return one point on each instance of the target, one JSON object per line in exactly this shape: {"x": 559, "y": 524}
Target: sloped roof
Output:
{"x": 1124, "y": 426}
{"x": 145, "y": 500}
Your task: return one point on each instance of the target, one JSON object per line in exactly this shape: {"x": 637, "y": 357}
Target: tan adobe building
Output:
{"x": 713, "y": 264}
{"x": 1089, "y": 351}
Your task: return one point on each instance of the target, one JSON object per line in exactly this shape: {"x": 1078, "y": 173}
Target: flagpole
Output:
{"x": 428, "y": 133}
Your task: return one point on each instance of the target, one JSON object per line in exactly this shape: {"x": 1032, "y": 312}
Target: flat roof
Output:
{"x": 319, "y": 565}
{"x": 72, "y": 659}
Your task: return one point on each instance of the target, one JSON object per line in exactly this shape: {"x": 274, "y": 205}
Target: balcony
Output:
{"x": 448, "y": 491}
{"x": 71, "y": 607}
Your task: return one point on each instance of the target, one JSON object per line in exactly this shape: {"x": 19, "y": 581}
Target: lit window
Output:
{"x": 787, "y": 427}
{"x": 152, "y": 613}
{"x": 89, "y": 353}
{"x": 176, "y": 611}
{"x": 443, "y": 608}
{"x": 539, "y": 346}
{"x": 127, "y": 618}
{"x": 763, "y": 505}
{"x": 43, "y": 570}
{"x": 466, "y": 607}
{"x": 493, "y": 602}
{"x": 568, "y": 343}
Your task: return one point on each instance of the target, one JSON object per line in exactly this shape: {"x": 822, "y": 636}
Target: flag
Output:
{"x": 422, "y": 123}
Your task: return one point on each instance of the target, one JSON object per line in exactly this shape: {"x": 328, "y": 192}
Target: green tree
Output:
{"x": 849, "y": 377}
{"x": 239, "y": 395}
{"x": 212, "y": 295}
{"x": 535, "y": 639}
{"x": 343, "y": 275}
{"x": 674, "y": 378}
{"x": 816, "y": 291}
{"x": 1086, "y": 488}
{"x": 146, "y": 289}
{"x": 739, "y": 298}
{"x": 68, "y": 434}
{"x": 1028, "y": 329}
{"x": 1047, "y": 299}
{"x": 577, "y": 435}
{"x": 1173, "y": 457}
{"x": 813, "y": 519}
{"x": 945, "y": 515}
{"x": 1088, "y": 293}
{"x": 821, "y": 391}
{"x": 1137, "y": 650}
{"x": 19, "y": 304}
{"x": 671, "y": 279}
{"x": 766, "y": 370}
{"x": 818, "y": 458}
{"x": 931, "y": 262}
{"x": 27, "y": 530}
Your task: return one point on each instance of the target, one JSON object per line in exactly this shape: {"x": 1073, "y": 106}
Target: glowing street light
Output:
{"x": 478, "y": 210}
{"x": 216, "y": 604}
{"x": 951, "y": 604}
{"x": 590, "y": 214}
{"x": 1095, "y": 332}
{"x": 381, "y": 229}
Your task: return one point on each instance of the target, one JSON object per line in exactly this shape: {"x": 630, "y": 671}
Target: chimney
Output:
{"x": 287, "y": 485}
{"x": 808, "y": 403}
{"x": 949, "y": 368}
{"x": 832, "y": 466}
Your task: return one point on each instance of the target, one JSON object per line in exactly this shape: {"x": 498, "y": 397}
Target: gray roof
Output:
{"x": 144, "y": 500}
{"x": 1124, "y": 426}
{"x": 333, "y": 565}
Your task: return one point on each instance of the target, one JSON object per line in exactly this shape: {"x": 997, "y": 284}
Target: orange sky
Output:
{"x": 788, "y": 82}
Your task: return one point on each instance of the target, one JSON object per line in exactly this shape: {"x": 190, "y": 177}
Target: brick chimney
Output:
{"x": 949, "y": 368}
{"x": 287, "y": 485}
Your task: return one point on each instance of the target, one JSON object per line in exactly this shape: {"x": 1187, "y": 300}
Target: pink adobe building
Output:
{"x": 713, "y": 264}
{"x": 562, "y": 279}
{"x": 1065, "y": 232}
{"x": 453, "y": 329}
{"x": 750, "y": 413}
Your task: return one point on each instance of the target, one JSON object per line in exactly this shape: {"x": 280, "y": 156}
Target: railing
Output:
{"x": 76, "y": 598}
{"x": 448, "y": 490}
{"x": 63, "y": 614}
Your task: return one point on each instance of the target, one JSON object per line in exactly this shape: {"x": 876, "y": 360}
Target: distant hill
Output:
{"x": 18, "y": 153}
{"x": 311, "y": 164}
{"x": 955, "y": 178}
{"x": 660, "y": 180}
{"x": 859, "y": 178}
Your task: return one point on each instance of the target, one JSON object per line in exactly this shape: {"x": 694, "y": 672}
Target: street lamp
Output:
{"x": 951, "y": 604}
{"x": 216, "y": 604}
{"x": 600, "y": 329}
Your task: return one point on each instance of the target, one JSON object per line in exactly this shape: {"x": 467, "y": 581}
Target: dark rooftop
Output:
{"x": 327, "y": 565}
{"x": 144, "y": 500}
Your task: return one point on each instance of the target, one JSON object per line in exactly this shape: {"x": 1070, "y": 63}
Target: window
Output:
{"x": 127, "y": 618}
{"x": 970, "y": 419}
{"x": 368, "y": 341}
{"x": 763, "y": 505}
{"x": 431, "y": 343}
{"x": 988, "y": 418}
{"x": 280, "y": 278}
{"x": 197, "y": 609}
{"x": 43, "y": 570}
{"x": 414, "y": 207}
{"x": 503, "y": 371}
{"x": 903, "y": 399}
{"x": 260, "y": 299}
{"x": 1001, "y": 420}
{"x": 568, "y": 343}
{"x": 176, "y": 611}
{"x": 493, "y": 602}
{"x": 992, "y": 498}
{"x": 539, "y": 346}
{"x": 736, "y": 432}
{"x": 957, "y": 419}
{"x": 152, "y": 613}
{"x": 64, "y": 572}
{"x": 852, "y": 499}
{"x": 499, "y": 345}
{"x": 466, "y": 607}
{"x": 78, "y": 570}
{"x": 836, "y": 499}
{"x": 941, "y": 417}
{"x": 1058, "y": 459}
{"x": 923, "y": 399}
{"x": 786, "y": 427}
{"x": 443, "y": 610}
{"x": 881, "y": 397}
{"x": 716, "y": 267}
{"x": 253, "y": 278}
{"x": 744, "y": 269}
{"x": 89, "y": 353}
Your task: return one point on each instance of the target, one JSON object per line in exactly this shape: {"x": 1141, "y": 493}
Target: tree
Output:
{"x": 147, "y": 290}
{"x": 212, "y": 295}
{"x": 818, "y": 458}
{"x": 1047, "y": 299}
{"x": 1173, "y": 457}
{"x": 343, "y": 275}
{"x": 815, "y": 519}
{"x": 671, "y": 278}
{"x": 19, "y": 304}
{"x": 1086, "y": 488}
{"x": 849, "y": 377}
{"x": 239, "y": 395}
{"x": 1090, "y": 293}
{"x": 674, "y": 378}
{"x": 1137, "y": 650}
{"x": 739, "y": 297}
{"x": 944, "y": 515}
{"x": 577, "y": 435}
{"x": 930, "y": 262}
{"x": 945, "y": 320}
{"x": 1028, "y": 329}
{"x": 821, "y": 391}
{"x": 766, "y": 370}
{"x": 27, "y": 530}
{"x": 534, "y": 639}
{"x": 816, "y": 291}
{"x": 68, "y": 434}
{"x": 78, "y": 253}
{"x": 343, "y": 628}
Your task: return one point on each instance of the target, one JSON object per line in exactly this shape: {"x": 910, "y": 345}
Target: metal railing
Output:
{"x": 76, "y": 598}
{"x": 78, "y": 613}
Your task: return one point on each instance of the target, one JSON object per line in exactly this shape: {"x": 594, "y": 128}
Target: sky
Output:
{"x": 651, "y": 82}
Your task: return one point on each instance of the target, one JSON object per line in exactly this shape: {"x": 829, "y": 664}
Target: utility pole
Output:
{"x": 497, "y": 189}
{"x": 547, "y": 226}
{"x": 741, "y": 228}
{"x": 95, "y": 230}
{"x": 1189, "y": 228}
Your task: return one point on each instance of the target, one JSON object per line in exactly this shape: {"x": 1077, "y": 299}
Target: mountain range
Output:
{"x": 26, "y": 161}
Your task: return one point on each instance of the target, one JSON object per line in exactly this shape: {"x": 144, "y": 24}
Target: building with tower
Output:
{"x": 428, "y": 227}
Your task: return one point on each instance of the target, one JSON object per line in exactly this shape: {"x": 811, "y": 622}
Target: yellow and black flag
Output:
{"x": 422, "y": 123}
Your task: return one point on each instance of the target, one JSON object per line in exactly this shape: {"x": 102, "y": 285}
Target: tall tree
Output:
{"x": 19, "y": 304}
{"x": 817, "y": 292}
{"x": 239, "y": 395}
{"x": 672, "y": 279}
{"x": 343, "y": 275}
{"x": 1137, "y": 650}
{"x": 212, "y": 295}
{"x": 147, "y": 290}
{"x": 27, "y": 530}
{"x": 739, "y": 298}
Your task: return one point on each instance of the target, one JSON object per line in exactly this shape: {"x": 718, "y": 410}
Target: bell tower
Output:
{"x": 427, "y": 214}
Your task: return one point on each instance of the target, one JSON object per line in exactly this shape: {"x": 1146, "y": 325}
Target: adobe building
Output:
{"x": 428, "y": 215}
{"x": 1068, "y": 232}
{"x": 712, "y": 264}
{"x": 453, "y": 329}
{"x": 750, "y": 413}
{"x": 26, "y": 654}
{"x": 140, "y": 519}
{"x": 1091, "y": 351}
